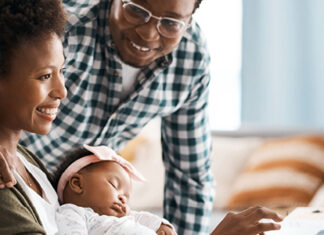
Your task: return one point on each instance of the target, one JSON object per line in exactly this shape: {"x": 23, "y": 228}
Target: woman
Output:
{"x": 31, "y": 87}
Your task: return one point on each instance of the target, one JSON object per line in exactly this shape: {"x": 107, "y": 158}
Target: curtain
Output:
{"x": 283, "y": 64}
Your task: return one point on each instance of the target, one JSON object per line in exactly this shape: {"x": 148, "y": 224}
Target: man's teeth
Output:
{"x": 139, "y": 47}
{"x": 51, "y": 111}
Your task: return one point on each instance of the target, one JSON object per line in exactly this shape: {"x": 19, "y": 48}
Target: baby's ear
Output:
{"x": 76, "y": 183}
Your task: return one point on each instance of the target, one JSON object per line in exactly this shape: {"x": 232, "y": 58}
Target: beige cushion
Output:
{"x": 130, "y": 150}
{"x": 228, "y": 160}
{"x": 283, "y": 172}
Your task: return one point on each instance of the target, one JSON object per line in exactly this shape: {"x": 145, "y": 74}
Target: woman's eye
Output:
{"x": 45, "y": 77}
{"x": 62, "y": 70}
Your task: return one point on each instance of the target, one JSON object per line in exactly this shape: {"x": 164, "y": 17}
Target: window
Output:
{"x": 221, "y": 22}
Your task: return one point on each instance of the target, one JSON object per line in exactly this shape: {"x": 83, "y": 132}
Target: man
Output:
{"x": 127, "y": 62}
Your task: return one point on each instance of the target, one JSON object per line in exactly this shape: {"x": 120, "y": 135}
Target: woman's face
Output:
{"x": 31, "y": 91}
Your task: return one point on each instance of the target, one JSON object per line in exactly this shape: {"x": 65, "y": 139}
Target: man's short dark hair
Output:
{"x": 197, "y": 4}
{"x": 27, "y": 20}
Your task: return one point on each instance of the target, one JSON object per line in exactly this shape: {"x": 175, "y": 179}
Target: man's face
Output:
{"x": 141, "y": 44}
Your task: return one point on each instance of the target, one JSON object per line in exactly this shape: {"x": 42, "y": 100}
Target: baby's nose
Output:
{"x": 122, "y": 198}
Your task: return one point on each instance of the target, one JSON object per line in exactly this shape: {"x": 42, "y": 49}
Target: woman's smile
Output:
{"x": 48, "y": 113}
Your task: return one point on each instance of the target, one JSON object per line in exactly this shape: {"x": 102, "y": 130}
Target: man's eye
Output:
{"x": 171, "y": 25}
{"x": 136, "y": 11}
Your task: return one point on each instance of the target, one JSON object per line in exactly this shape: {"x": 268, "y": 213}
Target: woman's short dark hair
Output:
{"x": 27, "y": 20}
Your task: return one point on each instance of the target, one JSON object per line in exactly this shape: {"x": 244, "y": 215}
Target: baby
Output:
{"x": 93, "y": 185}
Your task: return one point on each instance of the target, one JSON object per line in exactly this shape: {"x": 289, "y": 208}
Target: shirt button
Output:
{"x": 165, "y": 63}
{"x": 116, "y": 73}
{"x": 113, "y": 116}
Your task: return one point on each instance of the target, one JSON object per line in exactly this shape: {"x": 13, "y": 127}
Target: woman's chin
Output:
{"x": 44, "y": 130}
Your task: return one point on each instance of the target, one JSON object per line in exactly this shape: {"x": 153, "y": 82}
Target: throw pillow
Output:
{"x": 284, "y": 172}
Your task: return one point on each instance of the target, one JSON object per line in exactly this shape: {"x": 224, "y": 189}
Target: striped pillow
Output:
{"x": 284, "y": 172}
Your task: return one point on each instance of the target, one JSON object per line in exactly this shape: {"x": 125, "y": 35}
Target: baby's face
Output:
{"x": 106, "y": 188}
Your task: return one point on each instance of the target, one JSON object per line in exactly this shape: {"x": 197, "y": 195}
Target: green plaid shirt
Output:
{"x": 174, "y": 87}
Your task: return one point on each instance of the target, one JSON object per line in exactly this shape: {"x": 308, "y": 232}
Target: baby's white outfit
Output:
{"x": 72, "y": 219}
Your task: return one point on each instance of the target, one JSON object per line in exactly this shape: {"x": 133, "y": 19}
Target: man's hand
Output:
{"x": 166, "y": 230}
{"x": 248, "y": 222}
{"x": 6, "y": 168}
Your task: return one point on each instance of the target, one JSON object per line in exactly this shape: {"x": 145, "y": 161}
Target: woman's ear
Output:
{"x": 76, "y": 183}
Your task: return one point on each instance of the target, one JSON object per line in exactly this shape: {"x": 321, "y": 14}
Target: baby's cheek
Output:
{"x": 127, "y": 210}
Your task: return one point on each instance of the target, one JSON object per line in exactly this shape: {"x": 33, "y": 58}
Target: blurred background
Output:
{"x": 267, "y": 63}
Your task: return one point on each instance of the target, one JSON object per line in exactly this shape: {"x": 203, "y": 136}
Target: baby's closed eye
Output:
{"x": 114, "y": 183}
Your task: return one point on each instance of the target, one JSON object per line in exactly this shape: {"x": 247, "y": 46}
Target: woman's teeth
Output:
{"x": 50, "y": 111}
{"x": 139, "y": 47}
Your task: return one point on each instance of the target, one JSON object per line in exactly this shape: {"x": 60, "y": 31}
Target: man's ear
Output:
{"x": 76, "y": 183}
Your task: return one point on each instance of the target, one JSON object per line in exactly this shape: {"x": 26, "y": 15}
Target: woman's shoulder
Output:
{"x": 33, "y": 159}
{"x": 17, "y": 214}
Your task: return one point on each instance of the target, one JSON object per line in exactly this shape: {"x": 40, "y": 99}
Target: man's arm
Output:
{"x": 186, "y": 145}
{"x": 248, "y": 222}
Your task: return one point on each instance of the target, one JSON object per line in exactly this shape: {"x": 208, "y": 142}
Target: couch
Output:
{"x": 241, "y": 161}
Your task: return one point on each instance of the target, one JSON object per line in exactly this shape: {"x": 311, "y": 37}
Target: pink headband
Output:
{"x": 101, "y": 153}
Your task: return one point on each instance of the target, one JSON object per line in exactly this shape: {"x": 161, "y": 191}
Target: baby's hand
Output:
{"x": 166, "y": 230}
{"x": 6, "y": 176}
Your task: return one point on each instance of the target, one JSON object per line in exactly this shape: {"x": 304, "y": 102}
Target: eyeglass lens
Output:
{"x": 137, "y": 15}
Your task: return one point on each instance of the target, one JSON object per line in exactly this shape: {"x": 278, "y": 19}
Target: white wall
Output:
{"x": 221, "y": 22}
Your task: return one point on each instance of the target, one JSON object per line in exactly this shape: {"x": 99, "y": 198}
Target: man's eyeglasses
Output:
{"x": 166, "y": 26}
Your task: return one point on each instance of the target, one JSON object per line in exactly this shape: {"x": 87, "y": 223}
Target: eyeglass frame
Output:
{"x": 158, "y": 18}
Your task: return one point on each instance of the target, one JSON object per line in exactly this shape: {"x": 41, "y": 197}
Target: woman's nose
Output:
{"x": 59, "y": 91}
